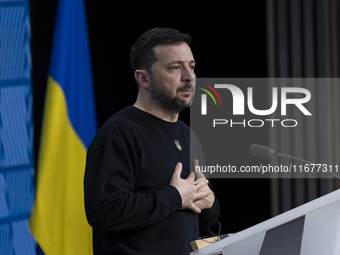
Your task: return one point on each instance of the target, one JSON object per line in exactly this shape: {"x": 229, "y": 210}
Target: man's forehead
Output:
{"x": 174, "y": 52}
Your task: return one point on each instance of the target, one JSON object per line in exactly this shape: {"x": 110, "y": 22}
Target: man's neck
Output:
{"x": 157, "y": 111}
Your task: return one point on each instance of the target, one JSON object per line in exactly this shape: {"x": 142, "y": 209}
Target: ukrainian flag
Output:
{"x": 58, "y": 220}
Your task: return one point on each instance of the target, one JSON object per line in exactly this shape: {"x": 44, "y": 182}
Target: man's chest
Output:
{"x": 157, "y": 159}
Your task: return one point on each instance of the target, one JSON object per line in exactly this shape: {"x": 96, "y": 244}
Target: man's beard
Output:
{"x": 163, "y": 96}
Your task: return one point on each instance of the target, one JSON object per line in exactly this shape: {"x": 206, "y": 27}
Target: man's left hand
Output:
{"x": 207, "y": 201}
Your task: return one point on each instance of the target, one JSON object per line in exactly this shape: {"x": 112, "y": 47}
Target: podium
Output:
{"x": 310, "y": 229}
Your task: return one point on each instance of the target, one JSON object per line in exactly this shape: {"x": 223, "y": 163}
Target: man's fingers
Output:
{"x": 191, "y": 176}
{"x": 178, "y": 170}
{"x": 195, "y": 163}
{"x": 201, "y": 183}
{"x": 202, "y": 194}
{"x": 194, "y": 208}
{"x": 191, "y": 190}
{"x": 176, "y": 176}
{"x": 198, "y": 172}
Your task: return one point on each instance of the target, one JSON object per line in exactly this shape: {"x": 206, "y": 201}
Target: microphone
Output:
{"x": 267, "y": 152}
{"x": 261, "y": 151}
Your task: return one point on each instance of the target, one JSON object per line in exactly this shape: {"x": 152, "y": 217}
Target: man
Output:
{"x": 140, "y": 197}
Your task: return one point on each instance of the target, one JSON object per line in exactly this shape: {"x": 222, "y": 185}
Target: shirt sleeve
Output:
{"x": 208, "y": 217}
{"x": 110, "y": 201}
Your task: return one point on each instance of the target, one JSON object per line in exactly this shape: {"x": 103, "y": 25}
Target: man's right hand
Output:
{"x": 188, "y": 188}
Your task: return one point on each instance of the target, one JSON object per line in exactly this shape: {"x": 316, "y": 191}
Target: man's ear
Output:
{"x": 142, "y": 78}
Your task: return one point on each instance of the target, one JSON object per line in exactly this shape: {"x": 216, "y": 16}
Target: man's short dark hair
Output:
{"x": 142, "y": 54}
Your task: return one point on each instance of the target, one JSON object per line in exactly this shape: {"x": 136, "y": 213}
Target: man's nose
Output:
{"x": 188, "y": 75}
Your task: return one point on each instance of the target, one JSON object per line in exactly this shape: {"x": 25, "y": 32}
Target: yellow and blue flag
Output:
{"x": 58, "y": 220}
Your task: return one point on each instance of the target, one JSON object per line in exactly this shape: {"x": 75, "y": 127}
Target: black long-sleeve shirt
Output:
{"x": 128, "y": 200}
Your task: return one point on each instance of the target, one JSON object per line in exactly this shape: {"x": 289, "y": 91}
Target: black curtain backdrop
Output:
{"x": 229, "y": 41}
